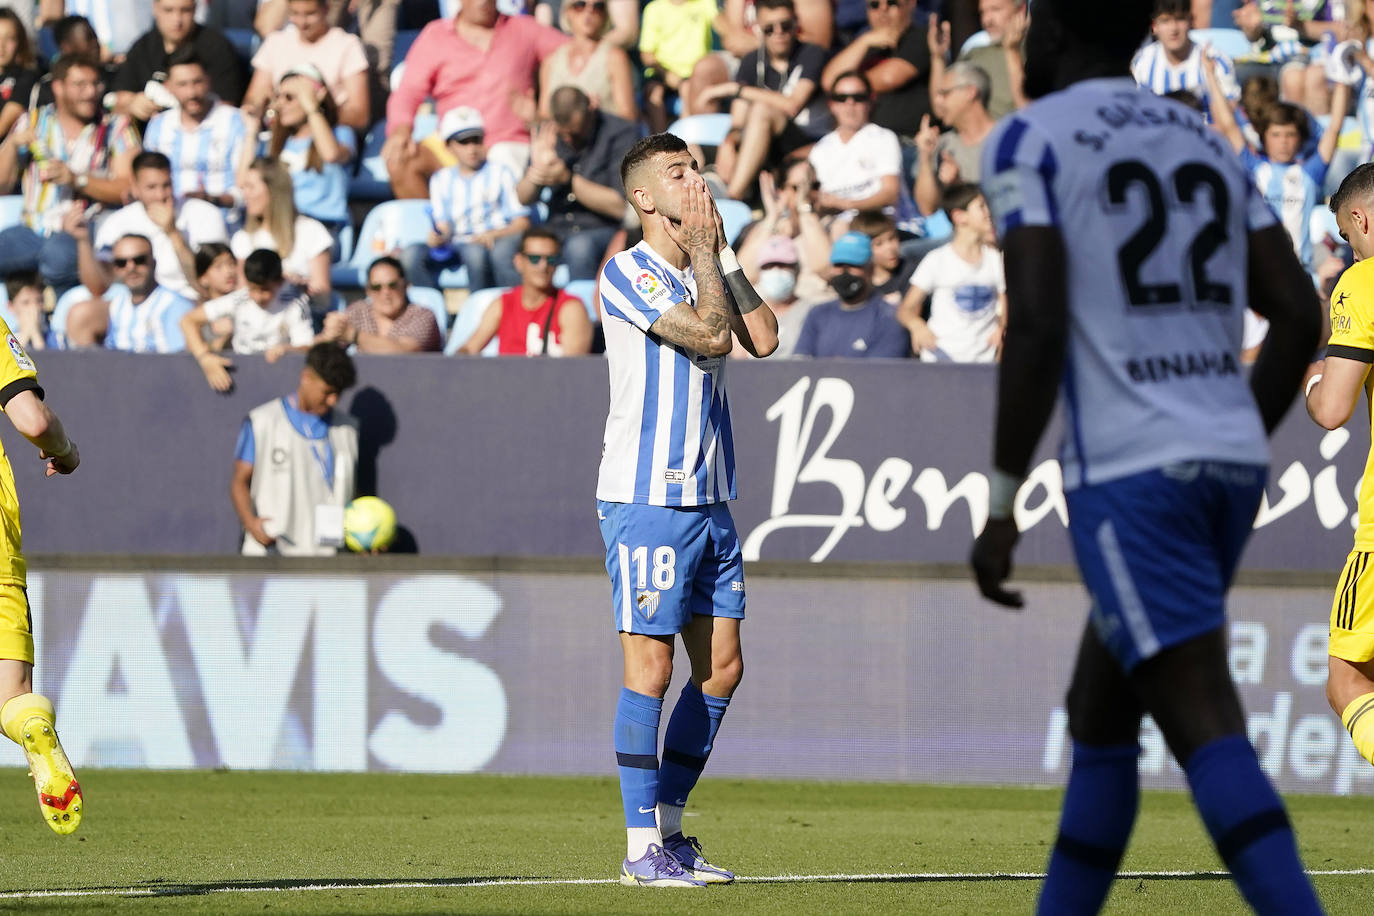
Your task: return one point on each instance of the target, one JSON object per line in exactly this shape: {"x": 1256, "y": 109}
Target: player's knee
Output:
{"x": 727, "y": 675}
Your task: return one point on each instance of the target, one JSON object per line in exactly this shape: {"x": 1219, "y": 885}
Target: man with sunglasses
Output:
{"x": 895, "y": 59}
{"x": 535, "y": 318}
{"x": 859, "y": 163}
{"x": 135, "y": 313}
{"x": 777, "y": 109}
{"x": 386, "y": 321}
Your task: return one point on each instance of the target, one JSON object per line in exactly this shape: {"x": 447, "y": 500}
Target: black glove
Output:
{"x": 991, "y": 561}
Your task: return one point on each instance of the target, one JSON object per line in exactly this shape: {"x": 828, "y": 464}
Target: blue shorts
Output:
{"x": 667, "y": 564}
{"x": 1158, "y": 550}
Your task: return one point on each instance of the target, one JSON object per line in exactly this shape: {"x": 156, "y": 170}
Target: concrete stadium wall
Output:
{"x": 838, "y": 461}
{"x": 518, "y": 672}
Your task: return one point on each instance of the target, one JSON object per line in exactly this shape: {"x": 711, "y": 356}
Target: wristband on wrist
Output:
{"x": 64, "y": 451}
{"x": 1312, "y": 383}
{"x": 1002, "y": 489}
{"x": 729, "y": 263}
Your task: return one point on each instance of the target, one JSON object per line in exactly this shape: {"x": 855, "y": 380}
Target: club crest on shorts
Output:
{"x": 648, "y": 603}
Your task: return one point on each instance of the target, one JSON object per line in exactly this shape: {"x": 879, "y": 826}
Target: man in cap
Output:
{"x": 477, "y": 215}
{"x": 860, "y": 323}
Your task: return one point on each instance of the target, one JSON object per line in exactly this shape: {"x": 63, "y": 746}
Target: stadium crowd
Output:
{"x": 427, "y": 157}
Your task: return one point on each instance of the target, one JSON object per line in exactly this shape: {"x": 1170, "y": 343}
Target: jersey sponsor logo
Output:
{"x": 1341, "y": 322}
{"x": 737, "y": 585}
{"x": 673, "y": 476}
{"x": 1338, "y": 304}
{"x": 1181, "y": 365}
{"x": 649, "y": 287}
{"x": 21, "y": 358}
{"x": 647, "y": 602}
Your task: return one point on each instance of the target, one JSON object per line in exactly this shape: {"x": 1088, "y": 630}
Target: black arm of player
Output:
{"x": 1027, "y": 384}
{"x": 1281, "y": 291}
{"x": 756, "y": 329}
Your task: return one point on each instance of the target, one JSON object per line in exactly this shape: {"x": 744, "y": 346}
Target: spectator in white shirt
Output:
{"x": 175, "y": 230}
{"x": 267, "y": 319}
{"x": 964, "y": 286}
{"x": 272, "y": 221}
{"x": 859, "y": 164}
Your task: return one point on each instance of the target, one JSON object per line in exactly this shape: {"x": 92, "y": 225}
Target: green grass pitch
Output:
{"x": 217, "y": 842}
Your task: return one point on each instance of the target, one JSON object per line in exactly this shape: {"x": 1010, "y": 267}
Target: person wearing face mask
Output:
{"x": 776, "y": 281}
{"x": 860, "y": 324}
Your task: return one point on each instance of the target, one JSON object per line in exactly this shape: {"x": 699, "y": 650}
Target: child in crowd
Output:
{"x": 269, "y": 317}
{"x": 673, "y": 36}
{"x": 26, "y": 305}
{"x": 217, "y": 274}
{"x": 964, "y": 284}
{"x": 891, "y": 271}
{"x": 478, "y": 218}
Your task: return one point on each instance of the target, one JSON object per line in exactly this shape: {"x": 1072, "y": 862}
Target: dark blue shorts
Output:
{"x": 1158, "y": 551}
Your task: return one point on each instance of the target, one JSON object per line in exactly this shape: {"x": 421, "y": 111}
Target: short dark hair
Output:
{"x": 776, "y": 5}
{"x": 1114, "y": 31}
{"x": 1355, "y": 187}
{"x": 852, "y": 75}
{"x": 1186, "y": 97}
{"x": 332, "y": 364}
{"x": 183, "y": 56}
{"x": 20, "y": 280}
{"x": 566, "y": 102}
{"x": 262, "y": 267}
{"x": 136, "y": 236}
{"x": 149, "y": 159}
{"x": 646, "y": 149}
{"x": 69, "y": 62}
{"x": 958, "y": 196}
{"x": 540, "y": 232}
{"x": 1286, "y": 114}
{"x": 872, "y": 223}
{"x": 1180, "y": 9}
{"x": 386, "y": 260}
{"x": 207, "y": 254}
{"x": 66, "y": 27}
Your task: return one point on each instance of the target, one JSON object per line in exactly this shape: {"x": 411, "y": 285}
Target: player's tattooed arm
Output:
{"x": 693, "y": 330}
{"x": 705, "y": 329}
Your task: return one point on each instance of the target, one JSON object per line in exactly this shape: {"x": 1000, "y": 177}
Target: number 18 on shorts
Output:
{"x": 667, "y": 564}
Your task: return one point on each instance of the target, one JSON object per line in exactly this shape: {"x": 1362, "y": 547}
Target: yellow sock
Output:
{"x": 20, "y": 709}
{"x": 1358, "y": 720}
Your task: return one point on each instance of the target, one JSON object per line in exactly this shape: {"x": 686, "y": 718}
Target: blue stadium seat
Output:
{"x": 1231, "y": 42}
{"x": 245, "y": 41}
{"x": 425, "y": 124}
{"x": 735, "y": 214}
{"x": 467, "y": 319}
{"x": 586, "y": 291}
{"x": 404, "y": 39}
{"x": 372, "y": 181}
{"x": 343, "y": 244}
{"x": 11, "y": 210}
{"x": 57, "y": 321}
{"x": 389, "y": 225}
{"x": 433, "y": 300}
{"x": 702, "y": 129}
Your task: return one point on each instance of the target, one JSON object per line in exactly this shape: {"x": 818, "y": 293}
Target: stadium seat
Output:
{"x": 390, "y": 225}
{"x": 467, "y": 319}
{"x": 372, "y": 181}
{"x": 735, "y": 215}
{"x": 702, "y": 129}
{"x": 5, "y": 314}
{"x": 343, "y": 244}
{"x": 245, "y": 41}
{"x": 57, "y": 321}
{"x": 433, "y": 300}
{"x": 1231, "y": 42}
{"x": 586, "y": 291}
{"x": 425, "y": 124}
{"x": 11, "y": 210}
{"x": 404, "y": 39}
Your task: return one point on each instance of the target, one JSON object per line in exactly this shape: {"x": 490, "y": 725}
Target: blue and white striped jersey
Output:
{"x": 1155, "y": 210}
{"x": 1293, "y": 190}
{"x": 204, "y": 158}
{"x": 668, "y": 440}
{"x": 152, "y": 326}
{"x": 1153, "y": 71}
{"x": 479, "y": 202}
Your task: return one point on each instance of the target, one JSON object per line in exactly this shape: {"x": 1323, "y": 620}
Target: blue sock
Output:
{"x": 691, "y": 731}
{"x": 1247, "y": 822}
{"x": 636, "y": 754}
{"x": 1100, "y": 804}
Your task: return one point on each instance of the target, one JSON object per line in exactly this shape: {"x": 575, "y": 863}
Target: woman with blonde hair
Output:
{"x": 307, "y": 137}
{"x": 271, "y": 221}
{"x": 590, "y": 61}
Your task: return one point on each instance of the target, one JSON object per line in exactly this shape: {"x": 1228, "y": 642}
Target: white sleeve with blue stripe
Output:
{"x": 635, "y": 290}
{"x": 1019, "y": 170}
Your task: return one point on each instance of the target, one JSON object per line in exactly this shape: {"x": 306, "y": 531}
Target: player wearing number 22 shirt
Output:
{"x": 671, "y": 306}
{"x": 1134, "y": 241}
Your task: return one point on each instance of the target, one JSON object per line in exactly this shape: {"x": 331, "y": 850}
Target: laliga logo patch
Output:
{"x": 20, "y": 357}
{"x": 647, "y": 285}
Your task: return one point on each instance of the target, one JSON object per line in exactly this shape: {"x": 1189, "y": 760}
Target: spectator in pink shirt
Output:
{"x": 481, "y": 58}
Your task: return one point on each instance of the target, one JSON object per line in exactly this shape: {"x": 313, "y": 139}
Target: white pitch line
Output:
{"x": 189, "y": 888}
